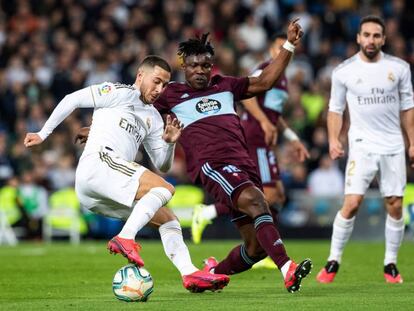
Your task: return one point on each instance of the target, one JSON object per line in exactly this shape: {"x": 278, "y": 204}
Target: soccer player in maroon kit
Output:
{"x": 217, "y": 154}
{"x": 261, "y": 122}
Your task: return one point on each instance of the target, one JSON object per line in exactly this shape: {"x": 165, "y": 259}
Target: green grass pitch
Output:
{"x": 59, "y": 276}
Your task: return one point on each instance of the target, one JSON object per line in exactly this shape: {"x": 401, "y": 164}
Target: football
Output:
{"x": 132, "y": 284}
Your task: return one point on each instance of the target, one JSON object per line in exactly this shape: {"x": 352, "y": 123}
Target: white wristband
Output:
{"x": 290, "y": 135}
{"x": 289, "y": 46}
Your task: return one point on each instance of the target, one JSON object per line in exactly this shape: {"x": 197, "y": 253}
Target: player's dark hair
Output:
{"x": 195, "y": 46}
{"x": 154, "y": 60}
{"x": 372, "y": 19}
{"x": 278, "y": 35}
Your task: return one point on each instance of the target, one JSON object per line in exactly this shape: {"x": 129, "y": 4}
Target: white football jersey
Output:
{"x": 376, "y": 93}
{"x": 120, "y": 121}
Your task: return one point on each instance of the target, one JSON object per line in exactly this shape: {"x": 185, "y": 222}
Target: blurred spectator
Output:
{"x": 34, "y": 200}
{"x": 6, "y": 169}
{"x": 326, "y": 180}
{"x": 63, "y": 175}
{"x": 253, "y": 35}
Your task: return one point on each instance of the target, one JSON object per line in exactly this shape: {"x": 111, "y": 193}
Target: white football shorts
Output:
{"x": 363, "y": 166}
{"x": 107, "y": 184}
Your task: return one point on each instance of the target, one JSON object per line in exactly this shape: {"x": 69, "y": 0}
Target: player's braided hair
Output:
{"x": 195, "y": 46}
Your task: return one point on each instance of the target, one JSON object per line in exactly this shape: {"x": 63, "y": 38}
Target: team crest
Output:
{"x": 148, "y": 123}
{"x": 391, "y": 76}
{"x": 104, "y": 89}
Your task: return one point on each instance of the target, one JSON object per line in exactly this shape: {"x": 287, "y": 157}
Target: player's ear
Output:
{"x": 358, "y": 38}
{"x": 140, "y": 74}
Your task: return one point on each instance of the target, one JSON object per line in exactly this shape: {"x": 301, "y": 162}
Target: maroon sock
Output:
{"x": 269, "y": 239}
{"x": 221, "y": 209}
{"x": 237, "y": 261}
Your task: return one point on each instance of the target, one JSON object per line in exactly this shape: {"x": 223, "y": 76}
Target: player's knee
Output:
{"x": 170, "y": 188}
{"x": 252, "y": 202}
{"x": 394, "y": 206}
{"x": 351, "y": 206}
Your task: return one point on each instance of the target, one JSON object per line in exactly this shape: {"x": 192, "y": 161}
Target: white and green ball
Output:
{"x": 132, "y": 284}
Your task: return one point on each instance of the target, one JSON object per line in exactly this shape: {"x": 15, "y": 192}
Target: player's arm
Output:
{"x": 407, "y": 120}
{"x": 334, "y": 123}
{"x": 405, "y": 88}
{"x": 270, "y": 131}
{"x": 160, "y": 145}
{"x": 272, "y": 72}
{"x": 300, "y": 151}
{"x": 335, "y": 116}
{"x": 79, "y": 99}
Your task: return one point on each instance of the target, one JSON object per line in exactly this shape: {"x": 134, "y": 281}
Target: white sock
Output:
{"x": 209, "y": 212}
{"x": 394, "y": 234}
{"x": 144, "y": 210}
{"x": 175, "y": 248}
{"x": 342, "y": 230}
{"x": 285, "y": 268}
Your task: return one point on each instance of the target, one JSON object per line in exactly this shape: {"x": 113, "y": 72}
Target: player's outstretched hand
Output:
{"x": 336, "y": 150}
{"x": 411, "y": 156}
{"x": 300, "y": 151}
{"x": 294, "y": 32}
{"x": 173, "y": 129}
{"x": 82, "y": 135}
{"x": 32, "y": 139}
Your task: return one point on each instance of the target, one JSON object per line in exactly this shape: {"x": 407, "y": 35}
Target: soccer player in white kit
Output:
{"x": 109, "y": 182}
{"x": 378, "y": 91}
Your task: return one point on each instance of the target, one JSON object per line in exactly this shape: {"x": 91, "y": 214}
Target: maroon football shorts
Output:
{"x": 225, "y": 182}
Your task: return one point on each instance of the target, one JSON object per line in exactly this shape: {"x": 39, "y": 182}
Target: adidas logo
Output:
{"x": 185, "y": 95}
{"x": 278, "y": 242}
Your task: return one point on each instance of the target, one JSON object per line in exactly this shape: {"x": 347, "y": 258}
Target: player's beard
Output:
{"x": 371, "y": 54}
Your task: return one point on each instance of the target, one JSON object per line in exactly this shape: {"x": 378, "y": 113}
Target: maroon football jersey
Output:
{"x": 272, "y": 103}
{"x": 212, "y": 130}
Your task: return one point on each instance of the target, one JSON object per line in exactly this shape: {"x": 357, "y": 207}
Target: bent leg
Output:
{"x": 153, "y": 193}
{"x": 251, "y": 201}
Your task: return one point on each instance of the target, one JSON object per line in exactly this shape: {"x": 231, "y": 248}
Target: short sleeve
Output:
{"x": 337, "y": 101}
{"x": 405, "y": 89}
{"x": 238, "y": 87}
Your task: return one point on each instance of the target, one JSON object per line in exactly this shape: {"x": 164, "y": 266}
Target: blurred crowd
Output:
{"x": 49, "y": 48}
